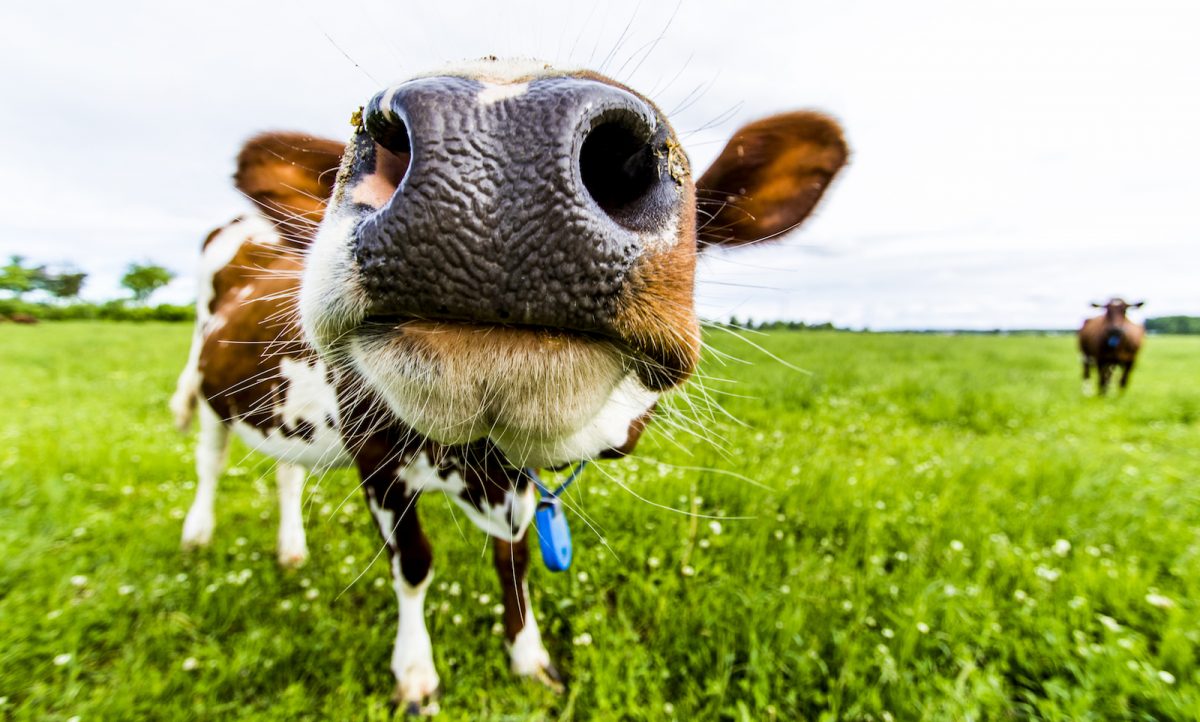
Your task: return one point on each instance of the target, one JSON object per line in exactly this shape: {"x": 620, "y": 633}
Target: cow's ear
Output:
{"x": 1139, "y": 304}
{"x": 1097, "y": 305}
{"x": 289, "y": 176}
{"x": 768, "y": 178}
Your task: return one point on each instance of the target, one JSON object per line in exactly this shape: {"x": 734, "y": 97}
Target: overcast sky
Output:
{"x": 1012, "y": 160}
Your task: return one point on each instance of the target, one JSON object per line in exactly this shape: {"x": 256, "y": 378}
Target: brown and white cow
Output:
{"x": 496, "y": 272}
{"x": 1110, "y": 340}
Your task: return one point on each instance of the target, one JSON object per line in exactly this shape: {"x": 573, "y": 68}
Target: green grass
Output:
{"x": 903, "y": 560}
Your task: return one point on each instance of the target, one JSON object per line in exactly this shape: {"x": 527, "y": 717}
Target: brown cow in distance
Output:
{"x": 1111, "y": 340}
{"x": 495, "y": 275}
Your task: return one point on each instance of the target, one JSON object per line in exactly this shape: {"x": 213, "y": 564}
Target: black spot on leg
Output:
{"x": 302, "y": 428}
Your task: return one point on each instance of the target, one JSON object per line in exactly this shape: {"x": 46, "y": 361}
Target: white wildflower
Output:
{"x": 190, "y": 664}
{"x": 62, "y": 659}
{"x": 1062, "y": 547}
{"x": 714, "y": 526}
{"x": 956, "y": 545}
{"x": 583, "y": 640}
{"x": 1160, "y": 601}
{"x": 79, "y": 580}
{"x": 922, "y": 627}
{"x": 1166, "y": 676}
{"x": 1050, "y": 575}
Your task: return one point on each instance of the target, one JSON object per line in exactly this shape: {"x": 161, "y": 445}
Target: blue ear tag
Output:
{"x": 554, "y": 535}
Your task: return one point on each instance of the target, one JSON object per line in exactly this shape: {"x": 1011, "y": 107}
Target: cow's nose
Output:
{"x": 525, "y": 203}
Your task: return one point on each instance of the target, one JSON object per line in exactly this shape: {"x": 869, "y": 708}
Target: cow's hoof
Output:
{"x": 546, "y": 674}
{"x": 549, "y": 676}
{"x": 291, "y": 552}
{"x": 530, "y": 659}
{"x": 417, "y": 694}
{"x": 197, "y": 532}
{"x": 292, "y": 559}
{"x": 414, "y": 708}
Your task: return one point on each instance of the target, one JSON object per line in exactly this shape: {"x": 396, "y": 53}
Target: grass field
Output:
{"x": 940, "y": 528}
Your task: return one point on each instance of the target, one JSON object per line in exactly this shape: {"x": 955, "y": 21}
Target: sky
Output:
{"x": 1011, "y": 161}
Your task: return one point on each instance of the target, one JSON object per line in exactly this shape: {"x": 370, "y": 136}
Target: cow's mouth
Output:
{"x": 544, "y": 395}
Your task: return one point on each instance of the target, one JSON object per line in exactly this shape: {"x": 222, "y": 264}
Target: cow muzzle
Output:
{"x": 537, "y": 205}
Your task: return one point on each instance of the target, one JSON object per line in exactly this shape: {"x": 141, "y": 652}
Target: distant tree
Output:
{"x": 63, "y": 284}
{"x": 143, "y": 279}
{"x": 19, "y": 279}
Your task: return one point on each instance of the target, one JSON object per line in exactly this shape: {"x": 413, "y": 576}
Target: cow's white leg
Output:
{"x": 211, "y": 448}
{"x": 187, "y": 387}
{"x": 412, "y": 571}
{"x": 526, "y": 651}
{"x": 528, "y": 654}
{"x": 292, "y": 548}
{"x": 412, "y": 657}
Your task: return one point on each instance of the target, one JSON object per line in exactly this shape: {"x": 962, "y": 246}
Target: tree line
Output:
{"x": 55, "y": 293}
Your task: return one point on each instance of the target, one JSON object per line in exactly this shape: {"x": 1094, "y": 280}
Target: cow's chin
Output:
{"x": 544, "y": 397}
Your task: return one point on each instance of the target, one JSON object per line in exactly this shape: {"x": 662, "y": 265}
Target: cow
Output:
{"x": 1110, "y": 340}
{"x": 494, "y": 274}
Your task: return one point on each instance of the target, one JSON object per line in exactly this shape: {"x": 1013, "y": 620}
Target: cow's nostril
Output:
{"x": 619, "y": 169}
{"x": 389, "y": 131}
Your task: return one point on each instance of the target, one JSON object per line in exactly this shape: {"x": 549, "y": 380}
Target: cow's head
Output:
{"x": 1115, "y": 309}
{"x": 509, "y": 250}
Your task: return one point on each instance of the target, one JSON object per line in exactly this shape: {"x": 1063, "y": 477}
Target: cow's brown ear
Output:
{"x": 289, "y": 176}
{"x": 768, "y": 178}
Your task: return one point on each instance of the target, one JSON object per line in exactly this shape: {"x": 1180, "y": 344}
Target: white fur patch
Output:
{"x": 608, "y": 429}
{"x": 508, "y": 520}
{"x": 310, "y": 398}
{"x": 494, "y": 93}
{"x": 331, "y": 298}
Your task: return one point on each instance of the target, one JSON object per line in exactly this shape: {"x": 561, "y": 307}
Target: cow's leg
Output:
{"x": 1087, "y": 373}
{"x": 1106, "y": 372}
{"x": 527, "y": 653}
{"x": 412, "y": 571}
{"x": 211, "y": 448}
{"x": 292, "y": 548}
{"x": 1126, "y": 369}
